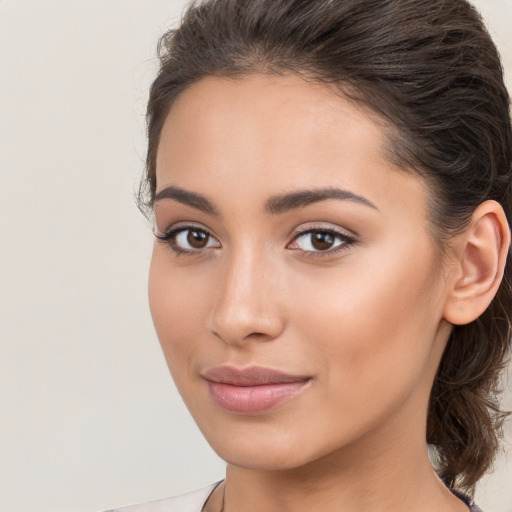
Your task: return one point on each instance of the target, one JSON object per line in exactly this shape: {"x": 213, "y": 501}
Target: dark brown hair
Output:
{"x": 430, "y": 70}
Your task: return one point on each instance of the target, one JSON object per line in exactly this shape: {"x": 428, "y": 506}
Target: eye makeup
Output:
{"x": 314, "y": 241}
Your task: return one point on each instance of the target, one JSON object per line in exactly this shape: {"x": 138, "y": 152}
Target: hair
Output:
{"x": 430, "y": 70}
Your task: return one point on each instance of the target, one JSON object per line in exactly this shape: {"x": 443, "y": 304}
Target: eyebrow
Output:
{"x": 188, "y": 198}
{"x": 286, "y": 202}
{"x": 275, "y": 205}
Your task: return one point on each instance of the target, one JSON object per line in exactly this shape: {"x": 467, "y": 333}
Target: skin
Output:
{"x": 365, "y": 321}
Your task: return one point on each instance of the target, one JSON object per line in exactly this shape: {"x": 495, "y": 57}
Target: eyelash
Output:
{"x": 169, "y": 238}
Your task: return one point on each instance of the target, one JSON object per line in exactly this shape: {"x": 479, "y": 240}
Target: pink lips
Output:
{"x": 251, "y": 390}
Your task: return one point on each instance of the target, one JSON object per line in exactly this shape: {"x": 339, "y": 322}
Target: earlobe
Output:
{"x": 482, "y": 254}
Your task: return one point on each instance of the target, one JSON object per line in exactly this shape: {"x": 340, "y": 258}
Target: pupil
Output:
{"x": 197, "y": 239}
{"x": 322, "y": 241}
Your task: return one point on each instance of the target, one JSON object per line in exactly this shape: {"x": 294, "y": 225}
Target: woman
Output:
{"x": 330, "y": 283}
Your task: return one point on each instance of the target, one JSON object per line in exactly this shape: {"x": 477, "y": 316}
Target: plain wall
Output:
{"x": 89, "y": 416}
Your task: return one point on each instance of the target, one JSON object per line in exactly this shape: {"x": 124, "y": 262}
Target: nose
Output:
{"x": 247, "y": 303}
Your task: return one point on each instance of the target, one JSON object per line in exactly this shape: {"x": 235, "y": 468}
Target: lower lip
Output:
{"x": 250, "y": 400}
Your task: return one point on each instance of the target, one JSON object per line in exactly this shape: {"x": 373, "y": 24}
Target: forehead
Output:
{"x": 274, "y": 134}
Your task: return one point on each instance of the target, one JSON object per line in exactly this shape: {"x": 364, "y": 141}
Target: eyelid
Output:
{"x": 180, "y": 226}
{"x": 327, "y": 227}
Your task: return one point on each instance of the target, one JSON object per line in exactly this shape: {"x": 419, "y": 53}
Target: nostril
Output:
{"x": 253, "y": 336}
{"x": 257, "y": 336}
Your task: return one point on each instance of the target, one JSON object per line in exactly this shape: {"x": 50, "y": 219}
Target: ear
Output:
{"x": 477, "y": 270}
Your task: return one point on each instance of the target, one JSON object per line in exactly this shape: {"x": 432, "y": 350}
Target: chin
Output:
{"x": 256, "y": 445}
{"x": 263, "y": 458}
{"x": 267, "y": 447}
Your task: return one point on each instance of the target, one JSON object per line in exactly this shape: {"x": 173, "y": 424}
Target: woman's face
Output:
{"x": 298, "y": 296}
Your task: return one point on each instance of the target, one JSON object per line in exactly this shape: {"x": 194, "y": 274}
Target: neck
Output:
{"x": 334, "y": 489}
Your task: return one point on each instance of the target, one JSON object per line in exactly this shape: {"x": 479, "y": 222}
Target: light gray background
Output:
{"x": 89, "y": 416}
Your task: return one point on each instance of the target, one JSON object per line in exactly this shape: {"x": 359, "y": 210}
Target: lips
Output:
{"x": 253, "y": 390}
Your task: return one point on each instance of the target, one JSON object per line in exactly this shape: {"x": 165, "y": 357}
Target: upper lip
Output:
{"x": 251, "y": 376}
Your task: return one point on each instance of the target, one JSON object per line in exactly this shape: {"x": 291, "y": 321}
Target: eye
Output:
{"x": 188, "y": 239}
{"x": 321, "y": 240}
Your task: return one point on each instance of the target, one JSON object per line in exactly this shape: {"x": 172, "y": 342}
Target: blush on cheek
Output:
{"x": 372, "y": 323}
{"x": 170, "y": 310}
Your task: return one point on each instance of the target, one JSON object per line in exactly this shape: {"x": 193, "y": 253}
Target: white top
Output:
{"x": 190, "y": 502}
{"x": 194, "y": 502}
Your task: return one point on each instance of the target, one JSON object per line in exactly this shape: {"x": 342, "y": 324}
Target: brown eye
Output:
{"x": 197, "y": 239}
{"x": 189, "y": 240}
{"x": 321, "y": 240}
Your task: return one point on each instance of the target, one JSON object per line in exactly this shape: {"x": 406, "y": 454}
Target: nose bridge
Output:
{"x": 247, "y": 304}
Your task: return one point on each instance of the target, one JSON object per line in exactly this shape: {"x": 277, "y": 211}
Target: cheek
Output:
{"x": 177, "y": 302}
{"x": 377, "y": 321}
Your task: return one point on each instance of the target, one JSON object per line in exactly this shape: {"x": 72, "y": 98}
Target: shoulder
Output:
{"x": 189, "y": 502}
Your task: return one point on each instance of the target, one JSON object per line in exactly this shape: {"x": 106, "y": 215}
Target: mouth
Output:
{"x": 253, "y": 390}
